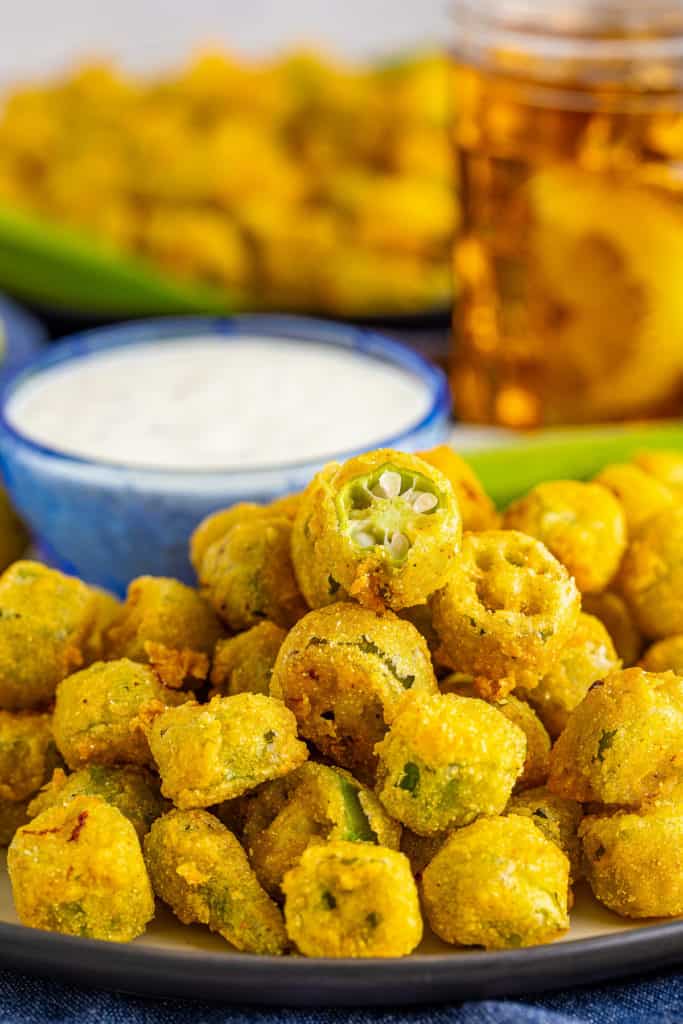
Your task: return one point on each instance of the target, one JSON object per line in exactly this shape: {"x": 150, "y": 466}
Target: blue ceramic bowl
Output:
{"x": 108, "y": 523}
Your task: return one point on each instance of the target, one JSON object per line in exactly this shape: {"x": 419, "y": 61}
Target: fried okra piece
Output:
{"x": 651, "y": 575}
{"x": 665, "y": 656}
{"x": 616, "y": 617}
{"x": 207, "y": 753}
{"x": 215, "y": 526}
{"x": 169, "y": 625}
{"x": 582, "y": 524}
{"x": 344, "y": 671}
{"x": 352, "y": 900}
{"x": 634, "y": 862}
{"x": 537, "y": 760}
{"x": 498, "y": 883}
{"x": 107, "y": 610}
{"x": 12, "y": 816}
{"x": 78, "y": 869}
{"x": 99, "y": 713}
{"x": 384, "y": 526}
{"x": 446, "y": 760}
{"x": 477, "y": 510}
{"x": 287, "y": 506}
{"x": 28, "y": 754}
{"x": 508, "y": 609}
{"x": 244, "y": 663}
{"x": 665, "y": 466}
{"x": 134, "y": 791}
{"x": 640, "y": 494}
{"x": 521, "y": 714}
{"x": 200, "y": 870}
{"x": 314, "y": 804}
{"x": 623, "y": 742}
{"x": 420, "y": 850}
{"x": 248, "y": 576}
{"x": 557, "y": 818}
{"x": 45, "y": 620}
{"x": 588, "y": 657}
{"x": 316, "y": 582}
{"x": 421, "y": 617}
{"x": 14, "y": 538}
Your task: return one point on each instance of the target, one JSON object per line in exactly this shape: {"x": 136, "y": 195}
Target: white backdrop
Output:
{"x": 42, "y": 35}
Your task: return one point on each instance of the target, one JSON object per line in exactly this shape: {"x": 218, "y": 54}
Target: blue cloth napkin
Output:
{"x": 25, "y": 1000}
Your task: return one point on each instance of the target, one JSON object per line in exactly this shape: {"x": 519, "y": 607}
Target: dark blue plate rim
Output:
{"x": 296, "y": 981}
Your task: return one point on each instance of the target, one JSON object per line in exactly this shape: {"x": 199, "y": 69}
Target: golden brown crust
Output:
{"x": 582, "y": 524}
{"x": 508, "y": 608}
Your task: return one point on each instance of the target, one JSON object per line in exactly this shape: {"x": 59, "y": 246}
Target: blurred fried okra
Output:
{"x": 78, "y": 869}
{"x": 477, "y": 510}
{"x": 344, "y": 671}
{"x": 99, "y": 713}
{"x": 665, "y": 466}
{"x": 314, "y": 804}
{"x": 651, "y": 574}
{"x": 498, "y": 883}
{"x": 623, "y": 742}
{"x": 665, "y": 656}
{"x": 247, "y": 574}
{"x": 641, "y": 495}
{"x": 634, "y": 862}
{"x": 207, "y": 753}
{"x": 14, "y": 538}
{"x": 45, "y": 620}
{"x": 352, "y": 899}
{"x": 521, "y": 714}
{"x": 200, "y": 870}
{"x": 383, "y": 527}
{"x": 557, "y": 818}
{"x": 167, "y": 624}
{"x": 446, "y": 760}
{"x": 133, "y": 790}
{"x": 588, "y": 657}
{"x": 582, "y": 524}
{"x": 508, "y": 609}
{"x": 615, "y": 615}
{"x": 244, "y": 663}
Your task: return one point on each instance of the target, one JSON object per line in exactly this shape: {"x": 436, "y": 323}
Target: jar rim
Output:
{"x": 600, "y": 35}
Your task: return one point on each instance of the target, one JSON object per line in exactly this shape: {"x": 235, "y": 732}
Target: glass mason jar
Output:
{"x": 569, "y": 138}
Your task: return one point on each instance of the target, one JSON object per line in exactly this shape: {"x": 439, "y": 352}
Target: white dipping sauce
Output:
{"x": 208, "y": 404}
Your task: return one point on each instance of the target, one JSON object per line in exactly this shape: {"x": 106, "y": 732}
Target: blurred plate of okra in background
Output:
{"x": 296, "y": 184}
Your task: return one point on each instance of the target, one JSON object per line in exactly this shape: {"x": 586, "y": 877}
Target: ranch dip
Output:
{"x": 208, "y": 404}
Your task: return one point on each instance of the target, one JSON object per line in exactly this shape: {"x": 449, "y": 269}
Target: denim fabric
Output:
{"x": 25, "y": 1000}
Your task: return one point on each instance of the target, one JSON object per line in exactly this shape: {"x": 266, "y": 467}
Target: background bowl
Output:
{"x": 109, "y": 523}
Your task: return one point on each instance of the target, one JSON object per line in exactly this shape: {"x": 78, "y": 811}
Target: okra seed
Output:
{"x": 389, "y": 485}
{"x": 425, "y": 502}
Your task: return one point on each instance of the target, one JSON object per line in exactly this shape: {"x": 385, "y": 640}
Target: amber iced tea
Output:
{"x": 570, "y": 255}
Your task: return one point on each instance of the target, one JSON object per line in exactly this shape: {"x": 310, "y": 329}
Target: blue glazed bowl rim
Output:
{"x": 366, "y": 342}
